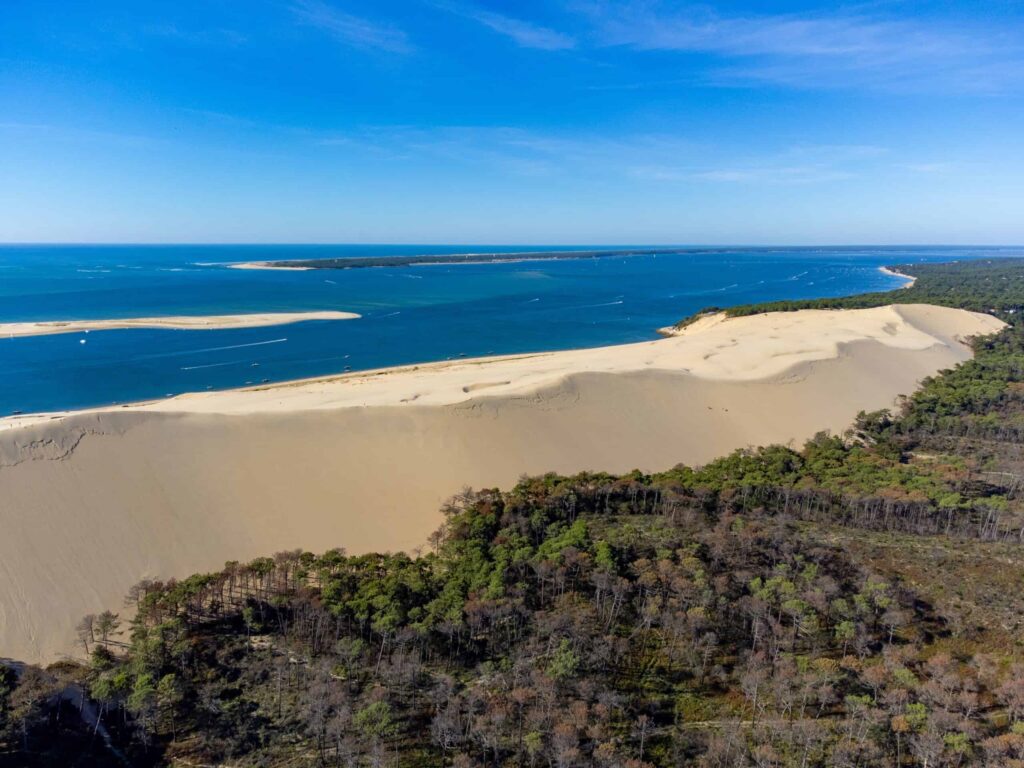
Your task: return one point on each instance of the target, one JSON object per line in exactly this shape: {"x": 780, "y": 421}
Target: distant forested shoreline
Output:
{"x": 359, "y": 262}
{"x": 485, "y": 257}
{"x": 994, "y": 286}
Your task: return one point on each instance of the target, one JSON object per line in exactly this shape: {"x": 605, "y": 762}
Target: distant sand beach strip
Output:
{"x": 267, "y": 265}
{"x": 93, "y": 501}
{"x": 910, "y": 279}
{"x": 182, "y": 323}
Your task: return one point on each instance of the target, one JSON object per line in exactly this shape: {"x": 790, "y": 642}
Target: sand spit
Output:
{"x": 183, "y": 323}
{"x": 93, "y": 501}
{"x": 910, "y": 279}
{"x": 266, "y": 265}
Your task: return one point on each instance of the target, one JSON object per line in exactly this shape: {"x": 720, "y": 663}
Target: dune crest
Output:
{"x": 91, "y": 502}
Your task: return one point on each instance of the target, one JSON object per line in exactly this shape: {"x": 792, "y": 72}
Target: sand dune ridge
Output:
{"x": 91, "y": 502}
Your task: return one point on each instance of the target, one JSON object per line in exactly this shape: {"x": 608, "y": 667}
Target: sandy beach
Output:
{"x": 93, "y": 501}
{"x": 910, "y": 279}
{"x": 182, "y": 322}
{"x": 266, "y": 265}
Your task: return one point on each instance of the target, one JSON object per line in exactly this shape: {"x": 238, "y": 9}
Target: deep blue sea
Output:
{"x": 410, "y": 314}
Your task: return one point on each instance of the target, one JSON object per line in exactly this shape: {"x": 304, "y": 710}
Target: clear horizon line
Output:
{"x": 286, "y": 244}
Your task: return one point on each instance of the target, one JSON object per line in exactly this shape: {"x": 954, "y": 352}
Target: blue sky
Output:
{"x": 570, "y": 121}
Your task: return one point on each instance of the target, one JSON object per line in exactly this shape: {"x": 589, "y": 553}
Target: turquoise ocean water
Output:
{"x": 410, "y": 314}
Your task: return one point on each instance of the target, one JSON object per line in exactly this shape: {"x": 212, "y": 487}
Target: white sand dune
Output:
{"x": 181, "y": 322}
{"x": 91, "y": 502}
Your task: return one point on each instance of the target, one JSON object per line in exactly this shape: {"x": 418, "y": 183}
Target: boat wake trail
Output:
{"x": 210, "y": 365}
{"x": 592, "y": 306}
{"x": 210, "y": 349}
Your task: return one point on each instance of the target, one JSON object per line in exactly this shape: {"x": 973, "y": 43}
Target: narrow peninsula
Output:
{"x": 362, "y": 262}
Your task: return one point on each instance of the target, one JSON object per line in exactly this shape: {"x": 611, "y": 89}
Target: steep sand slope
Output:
{"x": 92, "y": 502}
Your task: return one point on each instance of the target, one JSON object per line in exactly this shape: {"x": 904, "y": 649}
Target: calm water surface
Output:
{"x": 410, "y": 314}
